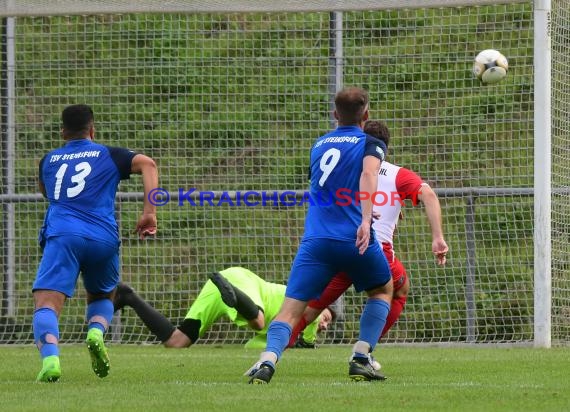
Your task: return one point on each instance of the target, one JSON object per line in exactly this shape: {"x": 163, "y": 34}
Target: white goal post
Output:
{"x": 542, "y": 176}
{"x": 228, "y": 95}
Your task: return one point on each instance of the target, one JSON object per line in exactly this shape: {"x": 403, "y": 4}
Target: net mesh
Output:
{"x": 232, "y": 102}
{"x": 560, "y": 171}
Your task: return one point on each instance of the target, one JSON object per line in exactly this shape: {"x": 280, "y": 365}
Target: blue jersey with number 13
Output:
{"x": 336, "y": 166}
{"x": 80, "y": 181}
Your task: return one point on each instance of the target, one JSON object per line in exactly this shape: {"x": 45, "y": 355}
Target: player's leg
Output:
{"x": 278, "y": 335}
{"x": 240, "y": 301}
{"x": 372, "y": 274}
{"x": 206, "y": 309}
{"x": 100, "y": 272}
{"x": 373, "y": 318}
{"x": 122, "y": 297}
{"x": 336, "y": 287}
{"x": 308, "y": 278}
{"x": 184, "y": 335}
{"x": 55, "y": 280}
{"x": 156, "y": 322}
{"x": 308, "y": 338}
{"x": 99, "y": 316}
{"x": 401, "y": 289}
{"x": 48, "y": 304}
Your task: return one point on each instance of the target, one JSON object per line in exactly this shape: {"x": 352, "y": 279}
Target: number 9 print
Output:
{"x": 329, "y": 160}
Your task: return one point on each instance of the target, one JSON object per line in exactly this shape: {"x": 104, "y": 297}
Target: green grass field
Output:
{"x": 207, "y": 378}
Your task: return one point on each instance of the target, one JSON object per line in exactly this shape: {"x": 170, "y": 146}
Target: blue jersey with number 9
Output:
{"x": 80, "y": 181}
{"x": 336, "y": 166}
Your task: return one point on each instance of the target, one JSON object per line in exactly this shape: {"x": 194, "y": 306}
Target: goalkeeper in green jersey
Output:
{"x": 237, "y": 293}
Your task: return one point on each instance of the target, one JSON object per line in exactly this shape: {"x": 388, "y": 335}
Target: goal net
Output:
{"x": 560, "y": 93}
{"x": 231, "y": 101}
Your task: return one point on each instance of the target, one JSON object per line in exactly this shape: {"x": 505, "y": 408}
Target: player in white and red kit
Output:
{"x": 395, "y": 185}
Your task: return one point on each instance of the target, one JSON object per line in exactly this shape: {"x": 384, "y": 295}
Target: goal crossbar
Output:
{"x": 88, "y": 7}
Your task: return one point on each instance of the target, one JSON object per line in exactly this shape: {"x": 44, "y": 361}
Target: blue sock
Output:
{"x": 278, "y": 335}
{"x": 100, "y": 314}
{"x": 372, "y": 321}
{"x": 46, "y": 326}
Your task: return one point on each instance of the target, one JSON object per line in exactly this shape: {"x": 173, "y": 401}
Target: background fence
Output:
{"x": 234, "y": 101}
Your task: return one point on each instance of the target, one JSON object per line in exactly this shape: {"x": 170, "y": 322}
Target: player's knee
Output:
{"x": 388, "y": 287}
{"x": 385, "y": 289}
{"x": 178, "y": 340}
{"x": 49, "y": 299}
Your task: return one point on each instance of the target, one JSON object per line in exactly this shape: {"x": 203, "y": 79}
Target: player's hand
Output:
{"x": 363, "y": 237}
{"x": 439, "y": 249}
{"x": 146, "y": 226}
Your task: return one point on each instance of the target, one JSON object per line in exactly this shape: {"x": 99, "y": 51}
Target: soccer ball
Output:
{"x": 490, "y": 66}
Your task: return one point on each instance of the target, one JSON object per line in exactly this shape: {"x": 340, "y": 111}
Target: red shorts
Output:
{"x": 341, "y": 282}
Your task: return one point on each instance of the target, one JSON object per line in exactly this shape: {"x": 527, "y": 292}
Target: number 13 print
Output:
{"x": 83, "y": 169}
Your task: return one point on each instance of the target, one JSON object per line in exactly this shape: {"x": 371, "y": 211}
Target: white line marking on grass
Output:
{"x": 474, "y": 385}
{"x": 322, "y": 384}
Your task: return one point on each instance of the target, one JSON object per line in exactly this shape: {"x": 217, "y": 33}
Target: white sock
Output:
{"x": 361, "y": 347}
{"x": 268, "y": 357}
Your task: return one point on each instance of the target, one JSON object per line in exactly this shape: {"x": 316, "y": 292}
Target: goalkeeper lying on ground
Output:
{"x": 241, "y": 295}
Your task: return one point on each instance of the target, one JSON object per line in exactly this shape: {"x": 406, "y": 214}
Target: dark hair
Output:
{"x": 377, "y": 129}
{"x": 351, "y": 104}
{"x": 76, "y": 119}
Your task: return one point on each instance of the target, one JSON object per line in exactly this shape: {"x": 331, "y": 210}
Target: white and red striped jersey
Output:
{"x": 395, "y": 184}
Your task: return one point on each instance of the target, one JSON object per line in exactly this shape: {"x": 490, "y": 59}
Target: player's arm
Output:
{"x": 145, "y": 166}
{"x": 373, "y": 156}
{"x": 368, "y": 184}
{"x": 433, "y": 212}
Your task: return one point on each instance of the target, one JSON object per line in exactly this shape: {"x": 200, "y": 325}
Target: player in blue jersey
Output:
{"x": 80, "y": 234}
{"x": 344, "y": 177}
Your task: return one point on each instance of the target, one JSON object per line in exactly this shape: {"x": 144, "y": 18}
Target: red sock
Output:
{"x": 296, "y": 331}
{"x": 395, "y": 311}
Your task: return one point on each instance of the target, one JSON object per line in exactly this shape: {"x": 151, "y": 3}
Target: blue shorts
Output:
{"x": 67, "y": 255}
{"x": 318, "y": 260}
